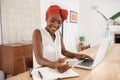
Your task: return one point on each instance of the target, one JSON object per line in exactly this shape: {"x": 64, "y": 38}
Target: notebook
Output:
{"x": 46, "y": 73}
{"x": 90, "y": 64}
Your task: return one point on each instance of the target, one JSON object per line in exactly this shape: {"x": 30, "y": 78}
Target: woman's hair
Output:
{"x": 55, "y": 9}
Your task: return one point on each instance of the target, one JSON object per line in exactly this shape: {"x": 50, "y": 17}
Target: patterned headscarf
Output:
{"x": 55, "y": 9}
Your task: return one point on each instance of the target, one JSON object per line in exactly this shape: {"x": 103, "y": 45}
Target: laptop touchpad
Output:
{"x": 86, "y": 62}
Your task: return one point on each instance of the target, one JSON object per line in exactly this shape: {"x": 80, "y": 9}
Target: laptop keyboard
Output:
{"x": 86, "y": 62}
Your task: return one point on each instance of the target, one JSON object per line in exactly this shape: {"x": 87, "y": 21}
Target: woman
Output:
{"x": 48, "y": 45}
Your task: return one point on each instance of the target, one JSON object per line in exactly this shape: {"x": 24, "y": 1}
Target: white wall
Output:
{"x": 0, "y": 26}
{"x": 92, "y": 24}
{"x": 0, "y": 34}
{"x": 71, "y": 30}
{"x": 19, "y": 19}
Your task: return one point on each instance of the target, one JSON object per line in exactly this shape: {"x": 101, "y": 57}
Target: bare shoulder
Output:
{"x": 36, "y": 31}
{"x": 37, "y": 34}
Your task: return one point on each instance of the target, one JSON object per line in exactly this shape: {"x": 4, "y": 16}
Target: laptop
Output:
{"x": 90, "y": 64}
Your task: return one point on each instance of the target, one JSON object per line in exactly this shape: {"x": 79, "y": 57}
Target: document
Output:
{"x": 71, "y": 62}
{"x": 46, "y": 73}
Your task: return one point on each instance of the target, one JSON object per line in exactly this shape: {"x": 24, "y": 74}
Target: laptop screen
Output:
{"x": 101, "y": 51}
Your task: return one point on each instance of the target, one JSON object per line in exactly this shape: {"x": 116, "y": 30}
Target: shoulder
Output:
{"x": 36, "y": 32}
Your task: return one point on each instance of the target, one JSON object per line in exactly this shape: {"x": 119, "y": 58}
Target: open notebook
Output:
{"x": 51, "y": 74}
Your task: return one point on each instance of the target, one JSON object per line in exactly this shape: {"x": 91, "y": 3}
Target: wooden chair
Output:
{"x": 28, "y": 62}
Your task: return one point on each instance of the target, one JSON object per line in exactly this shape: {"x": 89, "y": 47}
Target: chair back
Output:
{"x": 28, "y": 62}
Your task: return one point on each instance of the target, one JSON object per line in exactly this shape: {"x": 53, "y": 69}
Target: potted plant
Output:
{"x": 108, "y": 21}
{"x": 81, "y": 43}
{"x": 82, "y": 40}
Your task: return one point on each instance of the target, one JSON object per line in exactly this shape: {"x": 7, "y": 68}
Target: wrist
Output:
{"x": 75, "y": 55}
{"x": 55, "y": 65}
{"x": 79, "y": 56}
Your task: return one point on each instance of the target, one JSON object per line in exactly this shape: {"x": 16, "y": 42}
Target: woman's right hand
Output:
{"x": 63, "y": 67}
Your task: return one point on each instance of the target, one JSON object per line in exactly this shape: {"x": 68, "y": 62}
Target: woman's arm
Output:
{"x": 37, "y": 47}
{"x": 64, "y": 51}
{"x": 70, "y": 54}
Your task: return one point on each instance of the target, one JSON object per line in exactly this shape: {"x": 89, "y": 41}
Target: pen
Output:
{"x": 67, "y": 62}
{"x": 40, "y": 74}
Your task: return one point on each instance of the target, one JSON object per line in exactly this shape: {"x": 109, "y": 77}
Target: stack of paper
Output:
{"x": 51, "y": 74}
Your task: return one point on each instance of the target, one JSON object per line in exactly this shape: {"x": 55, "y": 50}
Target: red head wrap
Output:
{"x": 54, "y": 9}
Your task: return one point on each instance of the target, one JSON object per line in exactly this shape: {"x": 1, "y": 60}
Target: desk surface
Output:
{"x": 108, "y": 69}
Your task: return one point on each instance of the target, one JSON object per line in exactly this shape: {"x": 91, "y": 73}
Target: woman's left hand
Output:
{"x": 83, "y": 56}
